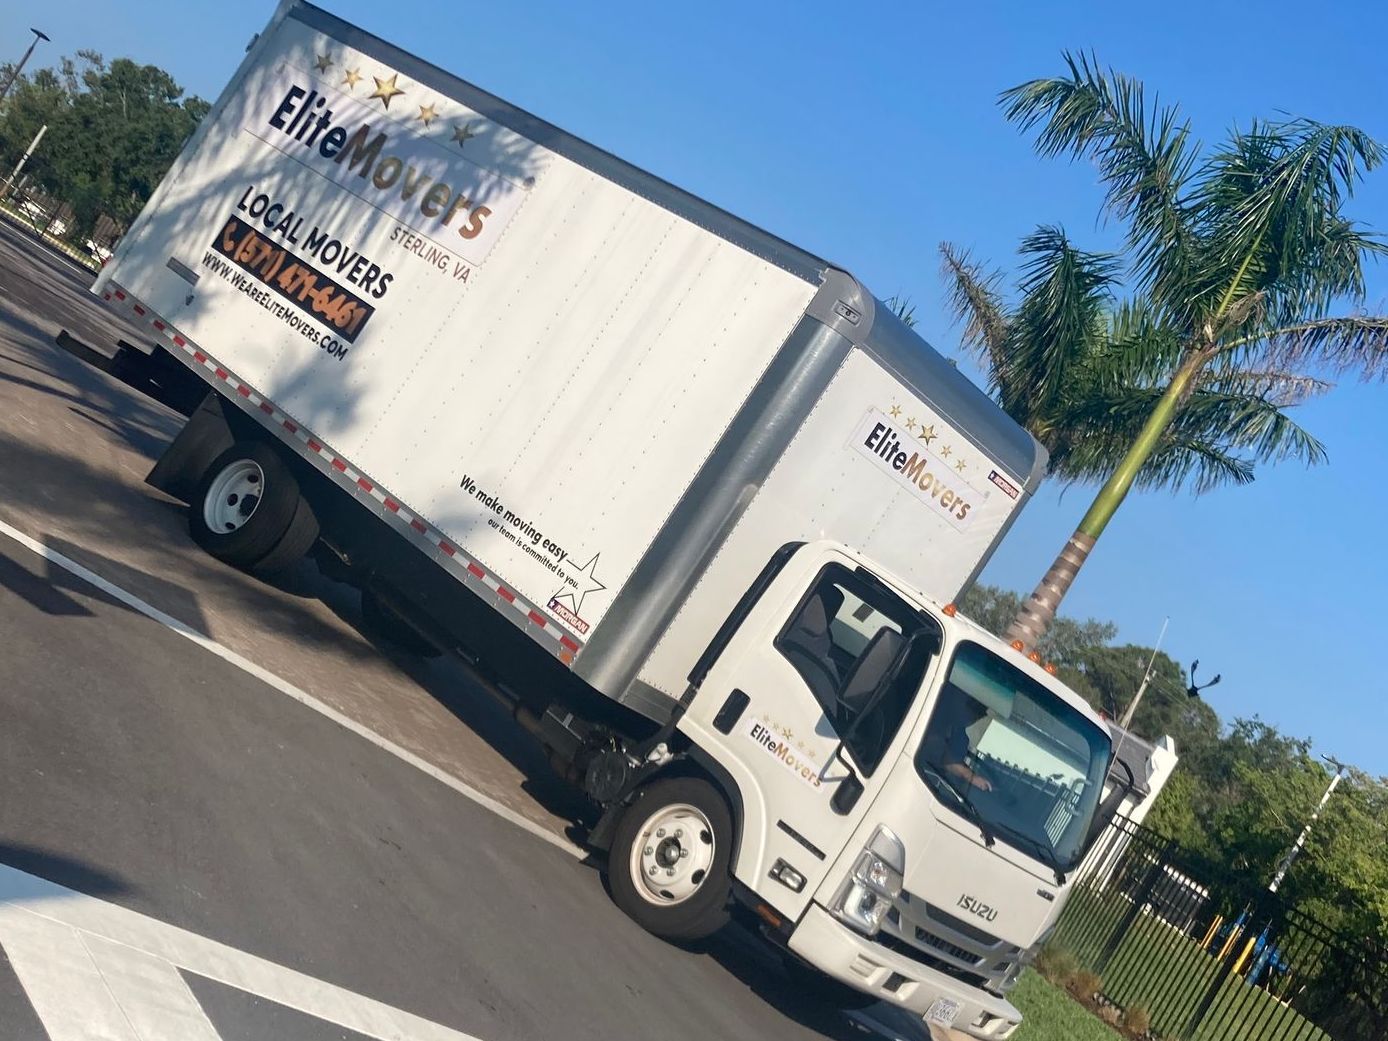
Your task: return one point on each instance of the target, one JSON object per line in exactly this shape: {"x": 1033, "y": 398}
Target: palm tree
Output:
{"x": 1081, "y": 372}
{"x": 1240, "y": 258}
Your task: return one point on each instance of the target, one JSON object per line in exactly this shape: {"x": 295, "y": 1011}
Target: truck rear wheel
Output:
{"x": 247, "y": 510}
{"x": 669, "y": 862}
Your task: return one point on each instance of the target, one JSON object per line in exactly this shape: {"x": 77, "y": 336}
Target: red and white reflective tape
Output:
{"x": 544, "y": 629}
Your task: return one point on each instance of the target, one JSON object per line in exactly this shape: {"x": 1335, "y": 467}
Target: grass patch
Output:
{"x": 1050, "y": 1014}
{"x": 1165, "y": 971}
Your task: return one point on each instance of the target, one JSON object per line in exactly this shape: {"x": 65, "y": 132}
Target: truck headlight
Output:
{"x": 873, "y": 885}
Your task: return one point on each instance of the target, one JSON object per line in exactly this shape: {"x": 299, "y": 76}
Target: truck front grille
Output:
{"x": 925, "y": 933}
{"x": 916, "y": 954}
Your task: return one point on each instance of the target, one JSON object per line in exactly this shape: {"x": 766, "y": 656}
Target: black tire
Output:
{"x": 825, "y": 990}
{"x": 382, "y": 621}
{"x": 680, "y": 918}
{"x": 294, "y": 544}
{"x": 269, "y": 518}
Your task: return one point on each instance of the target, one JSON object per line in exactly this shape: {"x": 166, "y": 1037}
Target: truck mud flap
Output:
{"x": 206, "y": 435}
{"x": 155, "y": 373}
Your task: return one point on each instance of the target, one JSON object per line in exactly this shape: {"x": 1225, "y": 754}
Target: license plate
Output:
{"x": 942, "y": 1011}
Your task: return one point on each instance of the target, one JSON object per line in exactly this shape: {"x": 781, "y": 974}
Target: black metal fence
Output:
{"x": 1212, "y": 959}
{"x": 52, "y": 220}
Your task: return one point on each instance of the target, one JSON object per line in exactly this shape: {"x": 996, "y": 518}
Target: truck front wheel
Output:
{"x": 669, "y": 863}
{"x": 248, "y": 511}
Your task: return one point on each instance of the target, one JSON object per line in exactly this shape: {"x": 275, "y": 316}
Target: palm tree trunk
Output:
{"x": 1038, "y": 611}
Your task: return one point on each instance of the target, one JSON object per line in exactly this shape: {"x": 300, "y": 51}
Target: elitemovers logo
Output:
{"x": 920, "y": 457}
{"x": 451, "y": 199}
{"x": 776, "y": 741}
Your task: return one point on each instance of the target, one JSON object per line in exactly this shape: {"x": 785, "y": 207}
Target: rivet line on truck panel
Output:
{"x": 545, "y": 630}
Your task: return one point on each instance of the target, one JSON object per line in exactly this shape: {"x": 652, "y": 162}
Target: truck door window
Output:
{"x": 829, "y": 641}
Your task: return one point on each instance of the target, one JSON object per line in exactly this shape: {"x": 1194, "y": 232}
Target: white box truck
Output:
{"x": 685, "y": 496}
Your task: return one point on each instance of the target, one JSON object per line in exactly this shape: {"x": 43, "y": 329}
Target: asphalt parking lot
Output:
{"x": 228, "y": 814}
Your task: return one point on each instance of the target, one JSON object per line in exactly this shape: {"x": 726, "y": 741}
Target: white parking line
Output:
{"x": 287, "y": 688}
{"x": 95, "y": 970}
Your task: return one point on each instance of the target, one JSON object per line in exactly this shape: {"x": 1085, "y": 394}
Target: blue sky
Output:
{"x": 869, "y": 133}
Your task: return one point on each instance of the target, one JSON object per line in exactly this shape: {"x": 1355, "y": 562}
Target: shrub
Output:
{"x": 1057, "y": 963}
{"x": 1109, "y": 1014}
{"x": 1137, "y": 1020}
{"x": 1084, "y": 985}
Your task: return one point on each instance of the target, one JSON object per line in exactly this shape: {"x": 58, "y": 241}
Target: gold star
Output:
{"x": 911, "y": 424}
{"x": 945, "y": 451}
{"x": 959, "y": 466}
{"x": 896, "y": 411}
{"x": 427, "y": 114}
{"x": 927, "y": 433}
{"x": 352, "y": 78}
{"x": 323, "y": 63}
{"x": 386, "y": 89}
{"x": 462, "y": 133}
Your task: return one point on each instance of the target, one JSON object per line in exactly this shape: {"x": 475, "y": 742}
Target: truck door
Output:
{"x": 806, "y": 706}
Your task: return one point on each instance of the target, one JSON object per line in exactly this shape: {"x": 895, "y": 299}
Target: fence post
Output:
{"x": 1144, "y": 890}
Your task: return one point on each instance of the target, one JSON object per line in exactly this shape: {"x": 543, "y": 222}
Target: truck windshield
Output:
{"x": 1008, "y": 752}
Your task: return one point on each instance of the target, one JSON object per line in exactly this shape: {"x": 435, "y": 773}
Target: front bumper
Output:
{"x": 834, "y": 949}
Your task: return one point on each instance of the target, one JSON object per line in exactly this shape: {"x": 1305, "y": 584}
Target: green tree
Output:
{"x": 1240, "y": 257}
{"x": 1064, "y": 643}
{"x": 1082, "y": 372}
{"x": 112, "y": 133}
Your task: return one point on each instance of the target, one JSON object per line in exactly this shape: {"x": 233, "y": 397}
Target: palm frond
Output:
{"x": 975, "y": 301}
{"x": 1279, "y": 388}
{"x": 1218, "y": 438}
{"x": 1142, "y": 348}
{"x": 901, "y": 306}
{"x": 1250, "y": 423}
{"x": 1177, "y": 462}
{"x": 1271, "y": 202}
{"x": 1066, "y": 293}
{"x": 1145, "y": 160}
{"x": 1348, "y": 343}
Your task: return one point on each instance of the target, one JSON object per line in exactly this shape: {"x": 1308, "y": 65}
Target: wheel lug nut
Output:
{"x": 670, "y": 871}
{"x": 660, "y": 833}
{"x": 679, "y": 833}
{"x": 684, "y": 853}
{"x": 652, "y": 871}
{"x": 650, "y": 850}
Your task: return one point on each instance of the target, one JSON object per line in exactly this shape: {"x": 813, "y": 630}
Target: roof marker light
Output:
{"x": 951, "y": 610}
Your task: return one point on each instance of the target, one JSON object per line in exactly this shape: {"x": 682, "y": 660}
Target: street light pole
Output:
{"x": 7, "y": 186}
{"x": 14, "y": 74}
{"x": 1127, "y": 719}
{"x": 1295, "y": 851}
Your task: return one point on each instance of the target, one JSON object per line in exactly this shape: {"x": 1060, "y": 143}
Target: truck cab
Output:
{"x": 906, "y": 794}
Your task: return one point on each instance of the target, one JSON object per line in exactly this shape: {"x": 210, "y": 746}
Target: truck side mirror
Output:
{"x": 1108, "y": 809}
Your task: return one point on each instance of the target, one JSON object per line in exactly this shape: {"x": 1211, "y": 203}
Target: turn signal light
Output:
{"x": 951, "y": 610}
